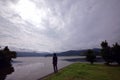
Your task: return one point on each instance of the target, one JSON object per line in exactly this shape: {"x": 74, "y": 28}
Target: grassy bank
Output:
{"x": 84, "y": 71}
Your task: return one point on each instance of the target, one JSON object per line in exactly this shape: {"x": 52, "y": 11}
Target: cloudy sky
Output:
{"x": 58, "y": 25}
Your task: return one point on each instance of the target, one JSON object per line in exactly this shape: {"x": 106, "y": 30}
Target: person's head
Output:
{"x": 54, "y": 54}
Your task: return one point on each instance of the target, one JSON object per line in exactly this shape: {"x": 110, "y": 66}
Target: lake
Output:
{"x": 33, "y": 68}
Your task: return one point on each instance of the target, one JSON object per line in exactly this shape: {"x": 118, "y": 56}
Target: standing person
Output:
{"x": 55, "y": 63}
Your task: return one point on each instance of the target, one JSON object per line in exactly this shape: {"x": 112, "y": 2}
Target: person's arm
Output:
{"x": 53, "y": 60}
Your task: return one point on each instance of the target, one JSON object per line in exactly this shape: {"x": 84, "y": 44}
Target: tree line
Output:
{"x": 109, "y": 54}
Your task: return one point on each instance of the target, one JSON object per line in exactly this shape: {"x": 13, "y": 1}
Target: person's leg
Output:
{"x": 54, "y": 68}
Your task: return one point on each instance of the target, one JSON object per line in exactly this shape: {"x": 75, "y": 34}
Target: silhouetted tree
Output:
{"x": 6, "y": 48}
{"x": 90, "y": 56}
{"x": 106, "y": 52}
{"x": 5, "y": 63}
{"x": 116, "y": 52}
{"x": 9, "y": 54}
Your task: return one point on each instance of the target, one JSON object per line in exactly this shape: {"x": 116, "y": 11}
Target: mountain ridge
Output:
{"x": 65, "y": 53}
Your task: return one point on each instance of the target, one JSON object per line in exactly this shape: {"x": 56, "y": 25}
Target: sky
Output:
{"x": 59, "y": 25}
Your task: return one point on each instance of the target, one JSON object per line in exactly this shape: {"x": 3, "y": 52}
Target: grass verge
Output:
{"x": 85, "y": 71}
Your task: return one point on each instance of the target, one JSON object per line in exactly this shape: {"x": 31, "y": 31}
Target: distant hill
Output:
{"x": 66, "y": 53}
{"x": 31, "y": 54}
{"x": 76, "y": 52}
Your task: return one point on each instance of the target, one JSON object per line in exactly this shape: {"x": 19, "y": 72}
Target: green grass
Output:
{"x": 85, "y": 71}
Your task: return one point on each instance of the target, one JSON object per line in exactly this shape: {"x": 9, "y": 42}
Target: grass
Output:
{"x": 85, "y": 71}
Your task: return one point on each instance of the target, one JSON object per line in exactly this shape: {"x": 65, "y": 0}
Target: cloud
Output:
{"x": 58, "y": 25}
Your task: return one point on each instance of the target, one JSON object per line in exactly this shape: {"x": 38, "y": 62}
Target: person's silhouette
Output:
{"x": 55, "y": 63}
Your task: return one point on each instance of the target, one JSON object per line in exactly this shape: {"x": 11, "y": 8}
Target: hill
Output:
{"x": 31, "y": 54}
{"x": 76, "y": 52}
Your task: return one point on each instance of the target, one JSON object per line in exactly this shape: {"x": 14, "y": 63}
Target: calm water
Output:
{"x": 33, "y": 68}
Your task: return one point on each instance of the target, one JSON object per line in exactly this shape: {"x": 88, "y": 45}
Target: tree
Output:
{"x": 9, "y": 54}
{"x": 90, "y": 56}
{"x": 5, "y": 63}
{"x": 106, "y": 52}
{"x": 116, "y": 52}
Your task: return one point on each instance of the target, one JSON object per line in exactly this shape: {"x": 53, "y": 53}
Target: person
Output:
{"x": 55, "y": 63}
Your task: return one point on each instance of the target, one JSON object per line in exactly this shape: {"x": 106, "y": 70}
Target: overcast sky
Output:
{"x": 58, "y": 25}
